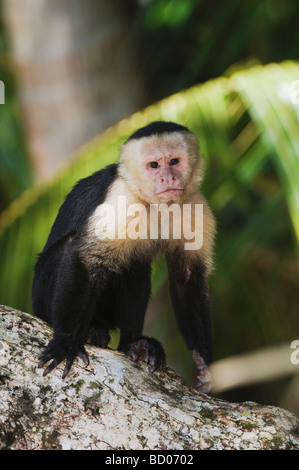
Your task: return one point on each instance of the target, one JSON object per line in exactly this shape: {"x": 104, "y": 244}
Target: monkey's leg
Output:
{"x": 190, "y": 297}
{"x": 104, "y": 317}
{"x": 45, "y": 274}
{"x": 98, "y": 336}
{"x": 133, "y": 296}
{"x": 72, "y": 309}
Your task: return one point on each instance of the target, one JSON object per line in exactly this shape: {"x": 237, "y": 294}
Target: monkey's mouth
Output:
{"x": 170, "y": 193}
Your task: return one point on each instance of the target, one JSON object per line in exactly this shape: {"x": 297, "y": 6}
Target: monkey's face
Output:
{"x": 161, "y": 166}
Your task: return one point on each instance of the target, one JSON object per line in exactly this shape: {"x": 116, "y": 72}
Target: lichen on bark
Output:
{"x": 116, "y": 404}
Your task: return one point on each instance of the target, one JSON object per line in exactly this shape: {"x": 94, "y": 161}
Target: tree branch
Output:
{"x": 117, "y": 404}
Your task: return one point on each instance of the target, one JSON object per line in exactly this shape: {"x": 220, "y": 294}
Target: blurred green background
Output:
{"x": 81, "y": 76}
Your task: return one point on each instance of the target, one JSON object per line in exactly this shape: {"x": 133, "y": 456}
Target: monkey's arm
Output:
{"x": 132, "y": 297}
{"x": 190, "y": 297}
{"x": 71, "y": 313}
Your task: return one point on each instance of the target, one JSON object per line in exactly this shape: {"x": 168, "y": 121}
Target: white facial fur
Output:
{"x": 168, "y": 182}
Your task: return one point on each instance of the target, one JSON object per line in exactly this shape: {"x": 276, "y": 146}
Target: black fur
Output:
{"x": 80, "y": 310}
{"x": 80, "y": 203}
{"x": 189, "y": 293}
{"x": 83, "y": 303}
{"x": 156, "y": 128}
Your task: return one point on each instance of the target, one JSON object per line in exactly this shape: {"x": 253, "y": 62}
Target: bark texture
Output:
{"x": 117, "y": 404}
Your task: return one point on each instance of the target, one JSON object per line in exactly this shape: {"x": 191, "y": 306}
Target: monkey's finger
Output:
{"x": 84, "y": 356}
{"x": 44, "y": 358}
{"x": 51, "y": 366}
{"x": 132, "y": 354}
{"x": 156, "y": 358}
{"x": 67, "y": 367}
{"x": 157, "y": 363}
{"x": 205, "y": 381}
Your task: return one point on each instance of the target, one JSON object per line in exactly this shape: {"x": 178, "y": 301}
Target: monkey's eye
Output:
{"x": 153, "y": 164}
{"x": 174, "y": 161}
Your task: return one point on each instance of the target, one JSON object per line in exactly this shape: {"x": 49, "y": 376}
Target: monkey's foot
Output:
{"x": 148, "y": 350}
{"x": 205, "y": 382}
{"x": 59, "y": 352}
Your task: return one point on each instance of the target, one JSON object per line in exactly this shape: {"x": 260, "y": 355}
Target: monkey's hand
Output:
{"x": 205, "y": 383}
{"x": 148, "y": 350}
{"x": 59, "y": 351}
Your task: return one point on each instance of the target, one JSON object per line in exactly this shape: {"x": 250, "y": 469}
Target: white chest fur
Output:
{"x": 123, "y": 225}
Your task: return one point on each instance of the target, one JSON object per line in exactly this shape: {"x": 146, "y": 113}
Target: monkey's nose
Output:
{"x": 167, "y": 180}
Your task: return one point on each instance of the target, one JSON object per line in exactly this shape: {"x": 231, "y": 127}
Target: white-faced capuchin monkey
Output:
{"x": 94, "y": 273}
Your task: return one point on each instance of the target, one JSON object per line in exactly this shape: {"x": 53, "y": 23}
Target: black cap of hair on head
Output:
{"x": 157, "y": 127}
